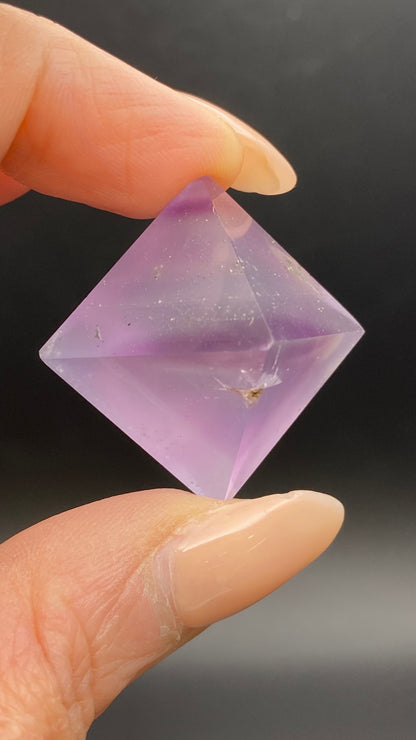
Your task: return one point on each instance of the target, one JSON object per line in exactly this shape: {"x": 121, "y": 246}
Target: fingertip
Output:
{"x": 85, "y": 126}
{"x": 264, "y": 169}
{"x": 243, "y": 550}
{"x": 10, "y": 189}
{"x": 330, "y": 507}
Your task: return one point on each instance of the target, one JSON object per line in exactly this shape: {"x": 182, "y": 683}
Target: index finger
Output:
{"x": 79, "y": 124}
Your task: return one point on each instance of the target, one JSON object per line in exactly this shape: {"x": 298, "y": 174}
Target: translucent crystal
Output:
{"x": 204, "y": 342}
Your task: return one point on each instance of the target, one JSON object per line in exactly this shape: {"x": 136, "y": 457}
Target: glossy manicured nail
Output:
{"x": 264, "y": 170}
{"x": 243, "y": 550}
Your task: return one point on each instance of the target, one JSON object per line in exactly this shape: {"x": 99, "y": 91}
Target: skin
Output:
{"x": 95, "y": 596}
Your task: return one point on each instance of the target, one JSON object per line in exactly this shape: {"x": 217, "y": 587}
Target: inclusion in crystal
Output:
{"x": 204, "y": 342}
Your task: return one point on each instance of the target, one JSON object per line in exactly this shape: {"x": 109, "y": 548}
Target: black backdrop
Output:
{"x": 333, "y": 653}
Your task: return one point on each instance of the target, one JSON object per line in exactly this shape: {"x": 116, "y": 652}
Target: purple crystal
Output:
{"x": 204, "y": 342}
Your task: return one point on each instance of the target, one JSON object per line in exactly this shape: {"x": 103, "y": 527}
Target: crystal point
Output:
{"x": 204, "y": 342}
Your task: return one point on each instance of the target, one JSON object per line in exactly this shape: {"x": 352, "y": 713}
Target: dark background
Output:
{"x": 332, "y": 655}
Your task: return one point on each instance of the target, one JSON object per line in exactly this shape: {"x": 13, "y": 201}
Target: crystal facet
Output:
{"x": 204, "y": 342}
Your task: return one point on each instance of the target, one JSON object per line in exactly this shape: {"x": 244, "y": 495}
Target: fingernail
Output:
{"x": 264, "y": 170}
{"x": 243, "y": 550}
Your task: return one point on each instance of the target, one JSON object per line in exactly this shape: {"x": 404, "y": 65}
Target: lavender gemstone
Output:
{"x": 204, "y": 342}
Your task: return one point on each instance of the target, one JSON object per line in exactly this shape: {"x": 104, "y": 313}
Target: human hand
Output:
{"x": 93, "y": 597}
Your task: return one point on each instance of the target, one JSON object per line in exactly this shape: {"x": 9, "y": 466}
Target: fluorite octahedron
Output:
{"x": 204, "y": 342}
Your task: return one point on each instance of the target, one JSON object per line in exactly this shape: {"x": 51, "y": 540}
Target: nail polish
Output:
{"x": 264, "y": 170}
{"x": 243, "y": 550}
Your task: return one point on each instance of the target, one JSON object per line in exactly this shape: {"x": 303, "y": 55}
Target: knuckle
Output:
{"x": 66, "y": 655}
{"x": 43, "y": 668}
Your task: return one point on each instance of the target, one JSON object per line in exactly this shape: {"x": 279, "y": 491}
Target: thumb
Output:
{"x": 95, "y": 596}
